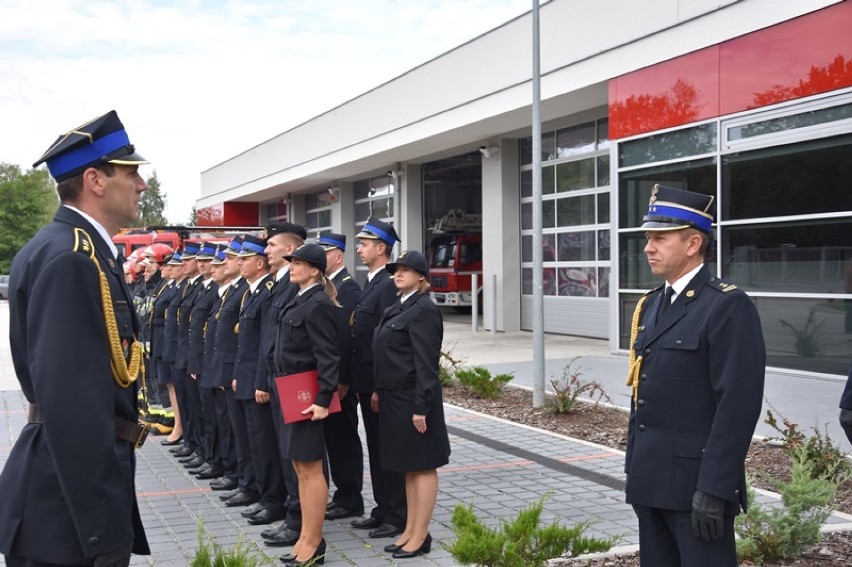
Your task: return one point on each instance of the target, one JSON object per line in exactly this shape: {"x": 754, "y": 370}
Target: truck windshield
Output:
{"x": 444, "y": 254}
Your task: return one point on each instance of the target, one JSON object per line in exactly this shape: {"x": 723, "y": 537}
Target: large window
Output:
{"x": 374, "y": 197}
{"x": 575, "y": 209}
{"x": 784, "y": 216}
{"x": 318, "y": 212}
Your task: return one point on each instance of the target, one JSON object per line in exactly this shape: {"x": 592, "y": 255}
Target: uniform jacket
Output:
{"x": 307, "y": 340}
{"x": 846, "y": 398}
{"x": 67, "y": 488}
{"x": 348, "y": 292}
{"x": 377, "y": 295}
{"x": 162, "y": 296}
{"x": 407, "y": 349}
{"x": 227, "y": 314}
{"x": 205, "y": 298}
{"x": 170, "y": 327}
{"x": 248, "y": 340}
{"x": 700, "y": 395}
{"x": 274, "y": 301}
{"x": 184, "y": 311}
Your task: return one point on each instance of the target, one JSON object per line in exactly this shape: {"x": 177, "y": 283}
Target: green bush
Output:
{"x": 521, "y": 542}
{"x": 771, "y": 535}
{"x": 819, "y": 450}
{"x": 478, "y": 379}
{"x": 570, "y": 386}
{"x": 213, "y": 555}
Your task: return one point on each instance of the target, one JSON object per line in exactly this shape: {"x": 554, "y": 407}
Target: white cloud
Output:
{"x": 196, "y": 82}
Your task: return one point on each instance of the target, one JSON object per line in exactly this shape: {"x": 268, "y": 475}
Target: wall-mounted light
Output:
{"x": 333, "y": 193}
{"x": 488, "y": 151}
{"x": 395, "y": 174}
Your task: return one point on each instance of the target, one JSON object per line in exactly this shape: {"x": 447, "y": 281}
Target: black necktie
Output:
{"x": 667, "y": 301}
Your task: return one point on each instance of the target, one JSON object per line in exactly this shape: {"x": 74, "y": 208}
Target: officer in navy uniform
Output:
{"x": 376, "y": 241}
{"x": 846, "y": 407}
{"x": 190, "y": 450}
{"x": 345, "y": 455}
{"x": 221, "y": 369}
{"x": 68, "y": 489}
{"x": 206, "y": 297}
{"x": 193, "y": 427}
{"x": 252, "y": 425}
{"x": 697, "y": 370}
{"x": 281, "y": 240}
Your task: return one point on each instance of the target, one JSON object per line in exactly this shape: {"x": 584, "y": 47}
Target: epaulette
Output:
{"x": 270, "y": 285}
{"x": 346, "y": 278}
{"x": 83, "y": 243}
{"x": 721, "y": 285}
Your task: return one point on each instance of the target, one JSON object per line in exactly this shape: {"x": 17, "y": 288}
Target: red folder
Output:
{"x": 296, "y": 393}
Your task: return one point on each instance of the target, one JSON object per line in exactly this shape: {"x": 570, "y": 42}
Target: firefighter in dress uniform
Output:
{"x": 697, "y": 369}
{"x": 68, "y": 485}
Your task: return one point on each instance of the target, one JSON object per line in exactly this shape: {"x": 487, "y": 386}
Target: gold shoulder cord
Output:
{"x": 123, "y": 374}
{"x": 635, "y": 363}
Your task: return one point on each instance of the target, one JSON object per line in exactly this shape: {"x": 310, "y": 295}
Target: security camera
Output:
{"x": 487, "y": 151}
{"x": 330, "y": 190}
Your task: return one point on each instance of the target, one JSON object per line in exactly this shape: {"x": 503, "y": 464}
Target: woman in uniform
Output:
{"x": 413, "y": 434}
{"x": 307, "y": 340}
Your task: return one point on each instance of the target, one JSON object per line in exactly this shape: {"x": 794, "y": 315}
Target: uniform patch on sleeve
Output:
{"x": 83, "y": 243}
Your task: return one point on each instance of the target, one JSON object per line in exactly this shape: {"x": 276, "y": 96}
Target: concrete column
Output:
{"x": 409, "y": 224}
{"x": 343, "y": 221}
{"x": 501, "y": 238}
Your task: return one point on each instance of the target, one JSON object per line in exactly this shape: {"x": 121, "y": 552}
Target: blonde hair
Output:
{"x": 330, "y": 290}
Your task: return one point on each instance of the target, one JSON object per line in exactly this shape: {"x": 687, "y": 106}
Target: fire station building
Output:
{"x": 746, "y": 100}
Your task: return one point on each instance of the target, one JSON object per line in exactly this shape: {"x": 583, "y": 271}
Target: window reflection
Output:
{"x": 795, "y": 257}
{"x": 578, "y": 282}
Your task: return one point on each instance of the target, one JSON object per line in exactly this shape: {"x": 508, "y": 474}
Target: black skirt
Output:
{"x": 304, "y": 441}
{"x": 401, "y": 446}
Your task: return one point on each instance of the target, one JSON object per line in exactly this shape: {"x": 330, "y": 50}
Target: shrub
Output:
{"x": 569, "y": 387}
{"x": 478, "y": 379}
{"x": 447, "y": 367}
{"x": 784, "y": 533}
{"x": 825, "y": 457}
{"x": 213, "y": 555}
{"x": 521, "y": 542}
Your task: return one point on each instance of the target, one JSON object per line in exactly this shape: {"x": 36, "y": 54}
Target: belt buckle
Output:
{"x": 143, "y": 434}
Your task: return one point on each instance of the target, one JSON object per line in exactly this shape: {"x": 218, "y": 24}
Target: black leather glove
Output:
{"x": 118, "y": 558}
{"x": 846, "y": 422}
{"x": 707, "y": 516}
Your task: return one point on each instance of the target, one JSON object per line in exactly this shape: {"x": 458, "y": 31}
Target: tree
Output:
{"x": 193, "y": 217}
{"x": 152, "y": 204}
{"x": 27, "y": 202}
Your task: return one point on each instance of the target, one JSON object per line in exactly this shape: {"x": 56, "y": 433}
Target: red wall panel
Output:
{"x": 229, "y": 214}
{"x": 807, "y": 55}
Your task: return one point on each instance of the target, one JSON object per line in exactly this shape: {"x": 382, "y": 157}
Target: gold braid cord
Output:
{"x": 123, "y": 374}
{"x": 635, "y": 363}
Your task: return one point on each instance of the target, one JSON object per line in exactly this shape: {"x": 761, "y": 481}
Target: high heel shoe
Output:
{"x": 393, "y": 548}
{"x": 425, "y": 548}
{"x": 318, "y": 558}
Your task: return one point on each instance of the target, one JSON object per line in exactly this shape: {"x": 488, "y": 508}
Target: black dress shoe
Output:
{"x": 385, "y": 530}
{"x": 183, "y": 452}
{"x": 265, "y": 517}
{"x": 423, "y": 549}
{"x": 167, "y": 443}
{"x": 283, "y": 539}
{"x": 241, "y": 499}
{"x": 370, "y": 523}
{"x": 338, "y": 513}
{"x": 318, "y": 558}
{"x": 193, "y": 463}
{"x": 212, "y": 472}
{"x": 273, "y": 531}
{"x": 223, "y": 483}
{"x": 229, "y": 495}
{"x": 202, "y": 469}
{"x": 255, "y": 508}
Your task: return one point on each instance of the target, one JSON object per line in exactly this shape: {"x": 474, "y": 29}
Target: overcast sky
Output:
{"x": 198, "y": 81}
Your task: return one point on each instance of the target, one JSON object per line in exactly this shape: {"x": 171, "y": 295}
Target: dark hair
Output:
{"x": 70, "y": 189}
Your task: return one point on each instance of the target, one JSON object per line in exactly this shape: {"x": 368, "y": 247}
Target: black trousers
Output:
{"x": 345, "y": 456}
{"x": 263, "y": 445}
{"x": 193, "y": 423}
{"x": 235, "y": 457}
{"x": 211, "y": 436}
{"x": 291, "y": 482}
{"x": 388, "y": 486}
{"x": 666, "y": 540}
{"x": 189, "y": 436}
{"x": 242, "y": 445}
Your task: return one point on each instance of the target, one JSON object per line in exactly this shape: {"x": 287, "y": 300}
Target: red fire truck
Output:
{"x": 129, "y": 239}
{"x": 456, "y": 255}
